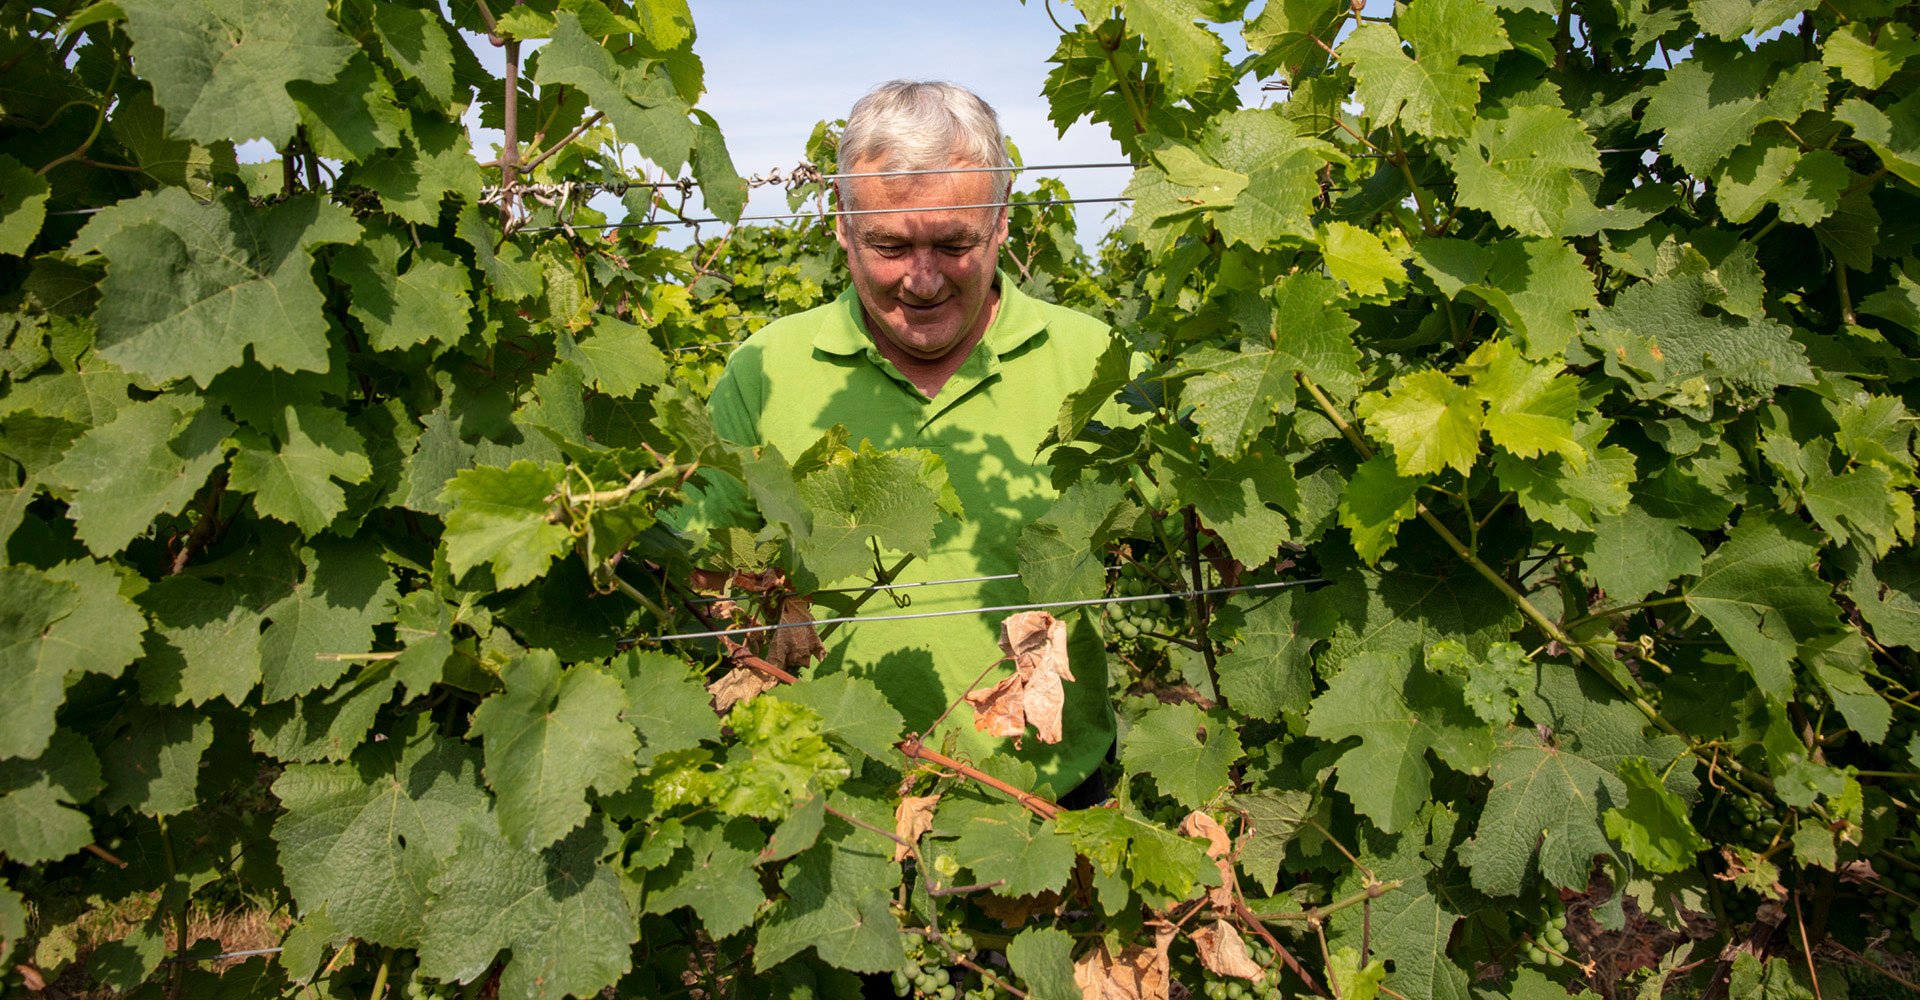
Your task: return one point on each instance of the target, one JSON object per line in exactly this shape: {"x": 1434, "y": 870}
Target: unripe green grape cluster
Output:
{"x": 1132, "y": 619}
{"x": 405, "y": 968}
{"x": 927, "y": 977}
{"x": 1752, "y": 822}
{"x": 1266, "y": 987}
{"x": 1553, "y": 936}
{"x": 1891, "y": 912}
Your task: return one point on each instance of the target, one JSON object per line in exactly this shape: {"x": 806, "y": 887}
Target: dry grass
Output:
{"x": 240, "y": 930}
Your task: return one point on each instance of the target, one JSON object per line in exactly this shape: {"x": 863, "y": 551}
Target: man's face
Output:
{"x": 924, "y": 277}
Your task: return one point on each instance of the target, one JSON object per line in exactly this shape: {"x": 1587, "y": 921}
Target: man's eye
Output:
{"x": 889, "y": 249}
{"x": 955, "y": 249}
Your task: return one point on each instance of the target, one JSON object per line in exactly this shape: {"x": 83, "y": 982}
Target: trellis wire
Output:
{"x": 825, "y": 214}
{"x": 249, "y": 953}
{"x": 976, "y": 611}
{"x": 886, "y": 586}
{"x": 805, "y": 173}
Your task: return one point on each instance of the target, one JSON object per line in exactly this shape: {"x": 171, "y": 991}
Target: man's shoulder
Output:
{"x": 785, "y": 339}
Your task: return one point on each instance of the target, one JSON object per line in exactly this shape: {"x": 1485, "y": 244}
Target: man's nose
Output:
{"x": 923, "y": 278}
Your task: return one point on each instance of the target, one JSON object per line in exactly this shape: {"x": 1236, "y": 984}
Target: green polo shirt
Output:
{"x": 799, "y": 376}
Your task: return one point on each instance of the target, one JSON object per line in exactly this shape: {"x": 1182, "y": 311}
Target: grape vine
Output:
{"x": 1568, "y": 343}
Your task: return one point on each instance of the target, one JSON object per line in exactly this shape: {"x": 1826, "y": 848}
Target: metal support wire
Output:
{"x": 831, "y": 213}
{"x": 975, "y": 611}
{"x": 249, "y": 953}
{"x": 979, "y": 170}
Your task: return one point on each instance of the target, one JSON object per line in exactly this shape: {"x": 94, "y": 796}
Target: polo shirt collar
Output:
{"x": 1017, "y": 321}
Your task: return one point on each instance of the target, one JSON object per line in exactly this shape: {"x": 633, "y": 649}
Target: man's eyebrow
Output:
{"x": 963, "y": 234}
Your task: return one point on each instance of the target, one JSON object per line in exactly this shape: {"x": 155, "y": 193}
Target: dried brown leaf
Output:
{"x": 1219, "y": 847}
{"x": 799, "y": 645}
{"x": 1224, "y": 952}
{"x": 912, "y": 818}
{"x": 1137, "y": 973}
{"x": 1036, "y": 693}
{"x": 999, "y": 710}
{"x": 1858, "y": 872}
{"x": 737, "y": 685}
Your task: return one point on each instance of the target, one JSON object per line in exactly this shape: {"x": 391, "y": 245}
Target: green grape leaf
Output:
{"x": 1235, "y": 395}
{"x": 1153, "y": 857}
{"x": 1634, "y": 554}
{"x": 1186, "y": 54}
{"x": 426, "y": 302}
{"x": 869, "y": 496}
{"x": 1530, "y": 408}
{"x": 1543, "y": 797}
{"x": 417, "y": 42}
{"x": 1359, "y": 259}
{"x": 1431, "y": 421}
{"x": 55, "y": 625}
{"x": 1870, "y": 57}
{"x": 1536, "y": 287}
{"x": 782, "y": 759}
{"x": 190, "y": 287}
{"x": 37, "y": 795}
{"x": 153, "y": 765}
{"x": 1002, "y": 840}
{"x": 1285, "y": 32}
{"x": 1410, "y": 602}
{"x": 432, "y": 161}
{"x": 1434, "y": 92}
{"x": 1518, "y": 166}
{"x": 362, "y": 842}
{"x": 619, "y": 358}
{"x": 1375, "y": 503}
{"x": 1399, "y": 711}
{"x": 851, "y": 710}
{"x": 1893, "y": 134}
{"x": 1840, "y": 661}
{"x": 499, "y": 516}
{"x": 668, "y": 708}
{"x": 837, "y": 895}
{"x": 551, "y": 736}
{"x": 1112, "y": 372}
{"x": 1860, "y": 505}
{"x": 1187, "y": 751}
{"x": 1270, "y": 671}
{"x": 1652, "y": 826}
{"x": 221, "y": 68}
{"x": 425, "y": 623}
{"x": 1709, "y": 105}
{"x": 296, "y": 481}
{"x": 1412, "y": 925}
{"x": 1759, "y": 590}
{"x": 353, "y": 116}
{"x": 1773, "y": 171}
{"x": 331, "y": 610}
{"x": 1887, "y": 592}
{"x": 1060, "y": 551}
{"x": 722, "y": 190}
{"x": 1043, "y": 959}
{"x": 1730, "y": 19}
{"x": 23, "y": 206}
{"x": 1231, "y": 497}
{"x": 560, "y": 911}
{"x": 1550, "y": 490}
{"x": 713, "y": 874}
{"x": 634, "y": 92}
{"x": 1275, "y": 816}
{"x": 1490, "y": 685}
{"x": 147, "y": 460}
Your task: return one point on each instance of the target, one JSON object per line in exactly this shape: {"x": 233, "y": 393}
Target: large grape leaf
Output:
{"x": 1235, "y": 394}
{"x": 1710, "y": 104}
{"x": 1187, "y": 751}
{"x": 1002, "y": 840}
{"x": 1536, "y": 287}
{"x": 851, "y": 709}
{"x": 1155, "y": 859}
{"x": 1652, "y": 824}
{"x": 1060, "y": 551}
{"x": 37, "y": 795}
{"x": 1432, "y": 422}
{"x": 634, "y": 92}
{"x": 1543, "y": 796}
{"x": 1518, "y": 166}
{"x": 1634, "y": 554}
{"x": 866, "y": 497}
{"x": 353, "y": 116}
{"x": 1410, "y": 602}
{"x": 1530, "y": 408}
{"x": 1043, "y": 959}
{"x": 1399, "y": 711}
{"x": 23, "y": 206}
{"x": 1434, "y": 91}
{"x": 551, "y": 736}
{"x": 1270, "y": 671}
{"x": 147, "y": 460}
{"x": 1186, "y": 54}
{"x": 294, "y": 479}
{"x": 559, "y": 910}
{"x": 55, "y": 624}
{"x": 1894, "y": 133}
{"x": 417, "y": 42}
{"x": 329, "y": 610}
{"x": 434, "y": 160}
{"x": 619, "y": 358}
{"x": 191, "y": 287}
{"x": 152, "y": 766}
{"x": 1759, "y": 590}
{"x": 837, "y": 895}
{"x": 499, "y": 516}
{"x": 1411, "y": 926}
{"x": 1773, "y": 171}
{"x": 1231, "y": 497}
{"x": 1375, "y": 503}
{"x": 713, "y": 874}
{"x": 362, "y": 841}
{"x": 667, "y": 707}
{"x": 426, "y": 301}
{"x": 220, "y": 68}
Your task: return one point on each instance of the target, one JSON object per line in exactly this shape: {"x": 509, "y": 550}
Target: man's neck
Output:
{"x": 930, "y": 375}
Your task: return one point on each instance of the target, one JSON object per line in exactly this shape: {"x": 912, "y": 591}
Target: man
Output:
{"x": 933, "y": 347}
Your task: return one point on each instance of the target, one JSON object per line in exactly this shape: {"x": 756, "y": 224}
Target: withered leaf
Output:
{"x": 799, "y": 645}
{"x": 1219, "y": 847}
{"x": 1035, "y": 694}
{"x": 1137, "y": 973}
{"x": 737, "y": 685}
{"x": 912, "y": 818}
{"x": 1223, "y": 951}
